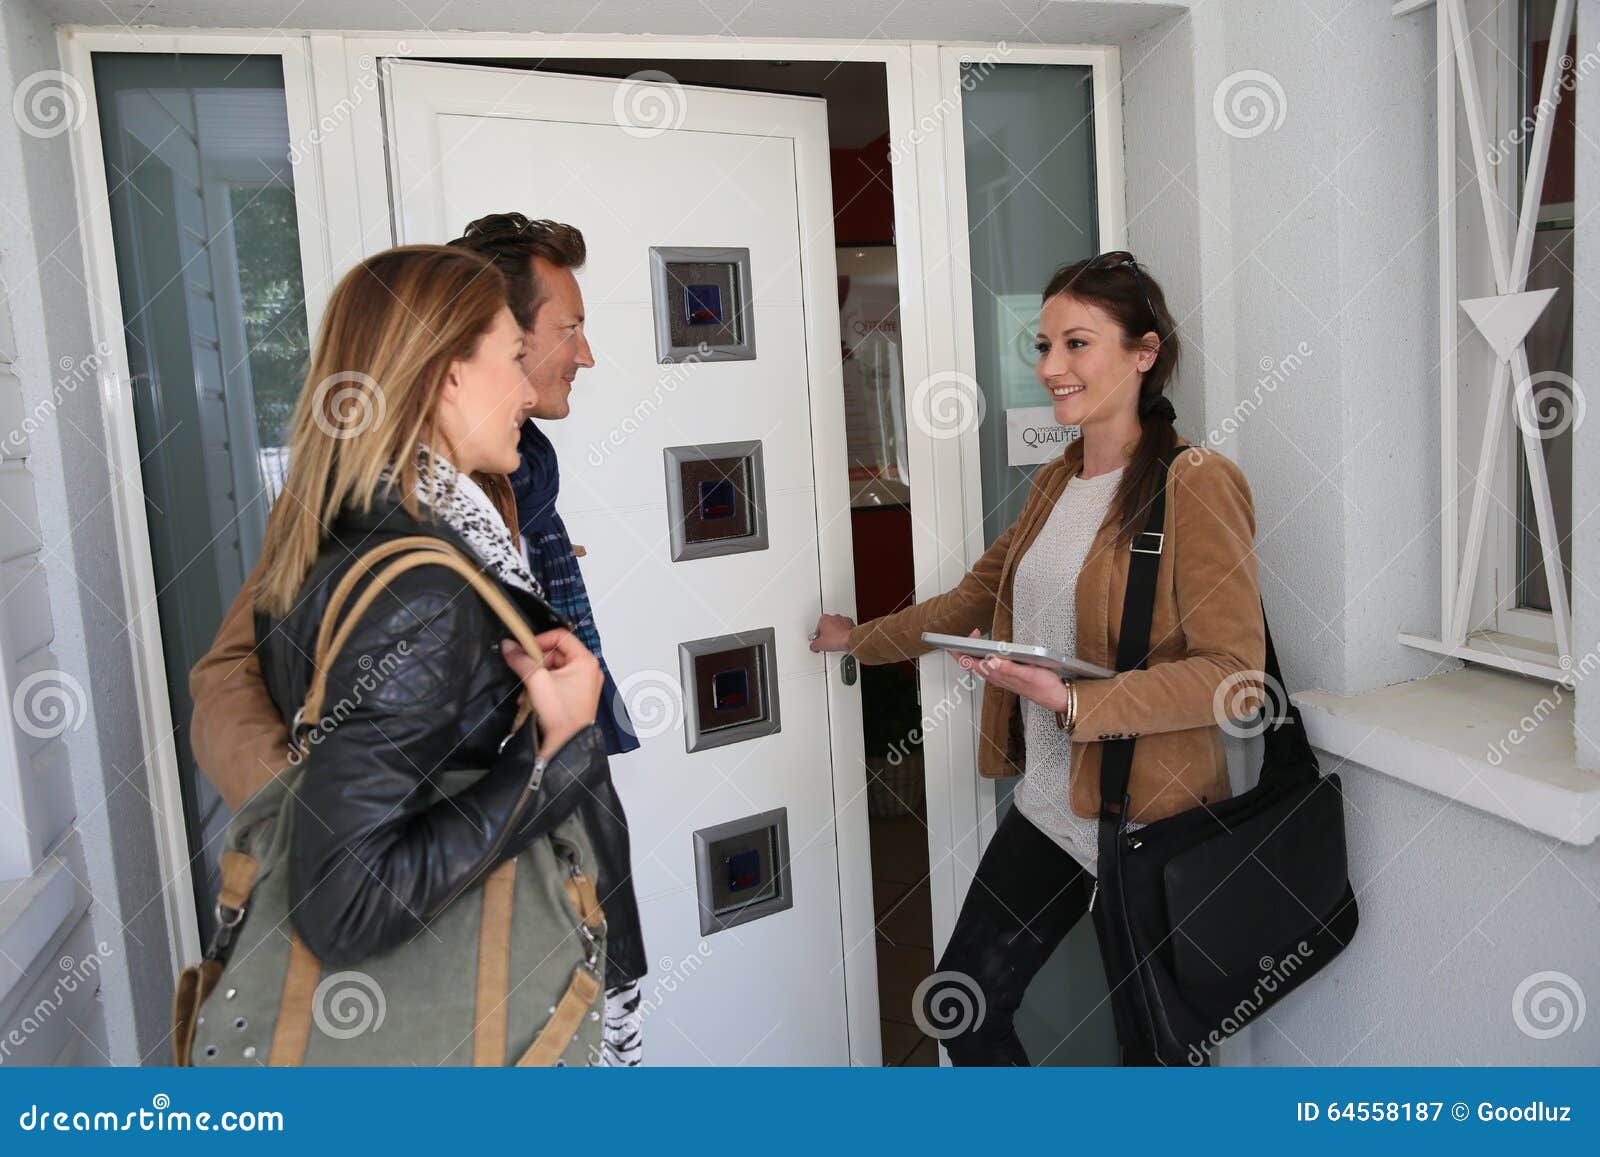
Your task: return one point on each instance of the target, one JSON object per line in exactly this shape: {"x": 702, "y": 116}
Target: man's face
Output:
{"x": 556, "y": 347}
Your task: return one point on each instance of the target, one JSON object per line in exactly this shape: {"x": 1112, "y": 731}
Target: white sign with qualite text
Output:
{"x": 1034, "y": 436}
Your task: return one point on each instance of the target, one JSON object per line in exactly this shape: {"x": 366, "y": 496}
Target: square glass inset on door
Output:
{"x": 730, "y": 688}
{"x": 741, "y": 870}
{"x": 716, "y": 499}
{"x": 702, "y": 304}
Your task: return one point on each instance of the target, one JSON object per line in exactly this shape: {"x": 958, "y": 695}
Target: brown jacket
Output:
{"x": 1207, "y": 635}
{"x": 239, "y": 739}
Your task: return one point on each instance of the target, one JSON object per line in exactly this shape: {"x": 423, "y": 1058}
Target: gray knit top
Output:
{"x": 1043, "y": 602}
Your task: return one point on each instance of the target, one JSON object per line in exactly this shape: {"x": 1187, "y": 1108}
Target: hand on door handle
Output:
{"x": 832, "y": 633}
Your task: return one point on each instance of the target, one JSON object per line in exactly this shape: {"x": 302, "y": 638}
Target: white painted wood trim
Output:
{"x": 121, "y": 436}
{"x": 1105, "y": 63}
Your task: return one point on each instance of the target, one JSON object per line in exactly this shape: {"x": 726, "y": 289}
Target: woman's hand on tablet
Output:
{"x": 1042, "y": 686}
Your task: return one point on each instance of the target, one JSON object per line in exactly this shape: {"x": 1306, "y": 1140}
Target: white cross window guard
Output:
{"x": 1504, "y": 319}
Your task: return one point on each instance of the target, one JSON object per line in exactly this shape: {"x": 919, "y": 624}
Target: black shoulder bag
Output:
{"x": 1213, "y": 914}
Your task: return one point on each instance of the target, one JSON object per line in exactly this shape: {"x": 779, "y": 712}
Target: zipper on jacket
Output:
{"x": 1093, "y": 894}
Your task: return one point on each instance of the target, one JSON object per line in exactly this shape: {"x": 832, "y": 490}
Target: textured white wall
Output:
{"x": 41, "y": 247}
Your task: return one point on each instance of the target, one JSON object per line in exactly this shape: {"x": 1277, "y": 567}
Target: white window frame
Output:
{"x": 975, "y": 795}
{"x": 77, "y": 46}
{"x": 1478, "y": 575}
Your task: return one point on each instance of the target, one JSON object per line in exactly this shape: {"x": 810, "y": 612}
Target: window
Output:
{"x": 1507, "y": 399}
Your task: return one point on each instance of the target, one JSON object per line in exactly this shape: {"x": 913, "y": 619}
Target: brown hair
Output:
{"x": 392, "y": 327}
{"x": 512, "y": 241}
{"x": 1133, "y": 299}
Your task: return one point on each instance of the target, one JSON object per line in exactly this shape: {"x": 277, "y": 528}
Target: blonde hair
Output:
{"x": 392, "y": 328}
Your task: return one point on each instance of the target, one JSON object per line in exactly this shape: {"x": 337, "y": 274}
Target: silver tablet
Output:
{"x": 1064, "y": 665}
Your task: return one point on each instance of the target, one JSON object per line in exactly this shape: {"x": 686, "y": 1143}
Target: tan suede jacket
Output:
{"x": 239, "y": 739}
{"x": 1207, "y": 635}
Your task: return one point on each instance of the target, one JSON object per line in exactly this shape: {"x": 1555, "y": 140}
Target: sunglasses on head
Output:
{"x": 1116, "y": 259}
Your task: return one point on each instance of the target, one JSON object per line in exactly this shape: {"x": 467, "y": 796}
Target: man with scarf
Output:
{"x": 236, "y": 731}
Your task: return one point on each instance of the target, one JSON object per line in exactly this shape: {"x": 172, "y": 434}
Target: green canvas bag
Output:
{"x": 508, "y": 972}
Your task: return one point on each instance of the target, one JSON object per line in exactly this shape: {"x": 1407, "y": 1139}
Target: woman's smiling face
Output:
{"x": 1084, "y": 363}
{"x": 485, "y": 400}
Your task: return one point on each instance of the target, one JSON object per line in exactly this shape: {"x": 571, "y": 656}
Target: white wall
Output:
{"x": 1322, "y": 231}
{"x": 83, "y": 792}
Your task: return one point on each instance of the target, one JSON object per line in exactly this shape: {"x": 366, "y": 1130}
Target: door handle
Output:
{"x": 847, "y": 670}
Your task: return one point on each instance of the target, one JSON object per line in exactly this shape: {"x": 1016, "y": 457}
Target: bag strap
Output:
{"x": 427, "y": 552}
{"x": 1286, "y": 737}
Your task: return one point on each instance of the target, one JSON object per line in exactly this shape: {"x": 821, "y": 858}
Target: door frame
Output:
{"x": 135, "y": 566}
{"x": 332, "y": 97}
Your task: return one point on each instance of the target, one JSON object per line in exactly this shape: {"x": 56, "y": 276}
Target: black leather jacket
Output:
{"x": 421, "y": 691}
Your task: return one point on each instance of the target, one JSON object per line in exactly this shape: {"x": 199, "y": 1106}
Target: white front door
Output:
{"x": 637, "y": 165}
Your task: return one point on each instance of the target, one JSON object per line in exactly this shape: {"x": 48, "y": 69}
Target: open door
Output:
{"x": 704, "y": 472}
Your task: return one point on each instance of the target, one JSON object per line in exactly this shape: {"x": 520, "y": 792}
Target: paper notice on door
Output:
{"x": 1034, "y": 436}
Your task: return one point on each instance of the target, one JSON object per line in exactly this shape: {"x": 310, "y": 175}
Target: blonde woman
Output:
{"x": 408, "y": 424}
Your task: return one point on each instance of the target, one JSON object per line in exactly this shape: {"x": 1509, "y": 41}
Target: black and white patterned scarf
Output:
{"x": 461, "y": 504}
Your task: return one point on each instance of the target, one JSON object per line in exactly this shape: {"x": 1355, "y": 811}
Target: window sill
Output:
{"x": 1461, "y": 735}
{"x": 33, "y": 912}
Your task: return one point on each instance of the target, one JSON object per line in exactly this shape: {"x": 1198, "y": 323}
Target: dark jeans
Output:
{"x": 1025, "y": 898}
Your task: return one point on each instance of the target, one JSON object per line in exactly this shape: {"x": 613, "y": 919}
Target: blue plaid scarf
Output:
{"x": 550, "y": 558}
